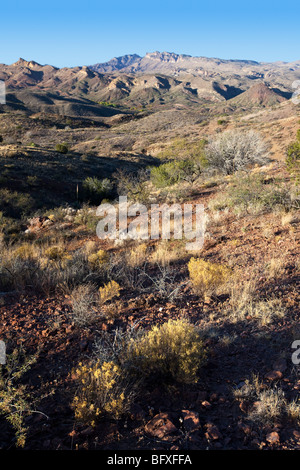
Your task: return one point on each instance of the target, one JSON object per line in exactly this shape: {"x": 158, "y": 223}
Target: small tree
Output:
{"x": 236, "y": 150}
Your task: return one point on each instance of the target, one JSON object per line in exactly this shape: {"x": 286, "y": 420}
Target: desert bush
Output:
{"x": 84, "y": 302}
{"x": 74, "y": 270}
{"x": 57, "y": 254}
{"x": 87, "y": 216}
{"x": 289, "y": 218}
{"x": 276, "y": 267}
{"x": 133, "y": 185}
{"x": 109, "y": 291}
{"x": 103, "y": 390}
{"x": 14, "y": 397}
{"x": 292, "y": 409}
{"x": 236, "y": 150}
{"x": 96, "y": 189}
{"x": 62, "y": 148}
{"x": 207, "y": 278}
{"x": 98, "y": 259}
{"x": 177, "y": 171}
{"x": 293, "y": 159}
{"x": 125, "y": 269}
{"x": 170, "y": 352}
{"x": 242, "y": 292}
{"x": 164, "y": 175}
{"x": 137, "y": 255}
{"x": 254, "y": 194}
{"x": 263, "y": 311}
{"x": 162, "y": 282}
{"x": 135, "y": 269}
{"x": 246, "y": 304}
{"x": 25, "y": 251}
{"x": 15, "y": 204}
{"x": 173, "y": 350}
{"x": 268, "y": 407}
{"x": 18, "y": 272}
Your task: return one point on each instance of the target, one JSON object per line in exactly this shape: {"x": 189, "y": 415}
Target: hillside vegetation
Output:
{"x": 143, "y": 344}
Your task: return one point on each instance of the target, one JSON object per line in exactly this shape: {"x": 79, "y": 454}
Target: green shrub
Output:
{"x": 62, "y": 148}
{"x": 87, "y": 216}
{"x": 293, "y": 159}
{"x": 175, "y": 171}
{"x": 97, "y": 189}
{"x": 164, "y": 175}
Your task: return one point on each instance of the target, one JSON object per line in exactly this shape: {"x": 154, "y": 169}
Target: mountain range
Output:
{"x": 156, "y": 80}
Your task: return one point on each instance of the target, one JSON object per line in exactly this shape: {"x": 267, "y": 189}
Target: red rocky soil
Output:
{"x": 201, "y": 416}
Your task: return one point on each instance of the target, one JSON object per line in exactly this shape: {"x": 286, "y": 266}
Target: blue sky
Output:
{"x": 70, "y": 33}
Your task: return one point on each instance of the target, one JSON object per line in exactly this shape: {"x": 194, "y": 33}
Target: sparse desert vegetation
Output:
{"x": 120, "y": 336}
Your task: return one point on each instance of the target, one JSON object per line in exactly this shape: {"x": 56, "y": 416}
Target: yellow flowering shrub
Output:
{"x": 109, "y": 291}
{"x": 171, "y": 350}
{"x": 25, "y": 251}
{"x": 100, "y": 391}
{"x": 56, "y": 253}
{"x": 15, "y": 403}
{"x": 207, "y": 277}
{"x": 99, "y": 258}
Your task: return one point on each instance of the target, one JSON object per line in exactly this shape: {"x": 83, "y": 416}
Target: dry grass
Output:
{"x": 246, "y": 305}
{"x": 275, "y": 268}
{"x": 167, "y": 252}
{"x": 268, "y": 405}
{"x": 83, "y": 300}
{"x": 289, "y": 218}
{"x": 137, "y": 256}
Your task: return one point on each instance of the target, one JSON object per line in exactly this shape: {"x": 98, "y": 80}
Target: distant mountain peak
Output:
{"x": 24, "y": 63}
{"x": 117, "y": 63}
{"x": 261, "y": 94}
{"x": 165, "y": 56}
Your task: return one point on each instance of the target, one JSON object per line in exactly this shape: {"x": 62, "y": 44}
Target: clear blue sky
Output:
{"x": 70, "y": 33}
